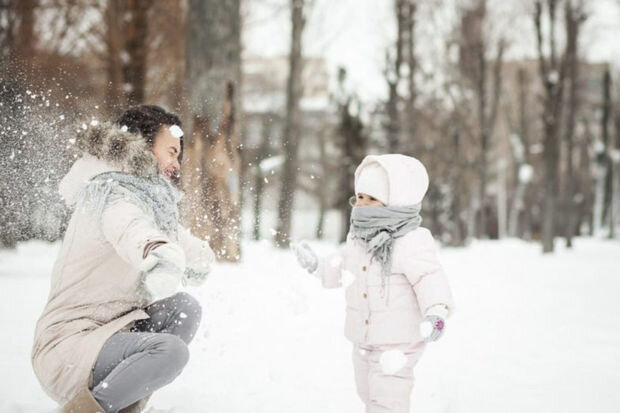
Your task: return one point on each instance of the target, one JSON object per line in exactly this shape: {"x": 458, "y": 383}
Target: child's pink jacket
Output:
{"x": 392, "y": 313}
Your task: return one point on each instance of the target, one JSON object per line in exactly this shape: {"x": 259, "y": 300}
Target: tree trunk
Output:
{"x": 393, "y": 75}
{"x": 519, "y": 211}
{"x": 114, "y": 67}
{"x": 321, "y": 195}
{"x": 574, "y": 19}
{"x": 616, "y": 179}
{"x": 602, "y": 157}
{"x": 552, "y": 73}
{"x": 259, "y": 178}
{"x": 458, "y": 232}
{"x": 211, "y": 173}
{"x": 136, "y": 46}
{"x": 411, "y": 144}
{"x": 291, "y": 127}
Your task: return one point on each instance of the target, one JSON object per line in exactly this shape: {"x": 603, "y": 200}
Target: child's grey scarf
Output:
{"x": 154, "y": 195}
{"x": 379, "y": 226}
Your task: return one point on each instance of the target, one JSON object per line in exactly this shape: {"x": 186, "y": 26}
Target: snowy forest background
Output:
{"x": 513, "y": 106}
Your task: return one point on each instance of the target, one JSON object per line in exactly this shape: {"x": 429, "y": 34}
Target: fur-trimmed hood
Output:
{"x": 106, "y": 148}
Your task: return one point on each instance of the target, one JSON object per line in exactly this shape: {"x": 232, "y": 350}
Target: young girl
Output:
{"x": 400, "y": 297}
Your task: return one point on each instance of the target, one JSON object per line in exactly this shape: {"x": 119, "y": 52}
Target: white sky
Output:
{"x": 355, "y": 33}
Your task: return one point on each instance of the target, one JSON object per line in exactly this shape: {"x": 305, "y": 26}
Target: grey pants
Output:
{"x": 132, "y": 365}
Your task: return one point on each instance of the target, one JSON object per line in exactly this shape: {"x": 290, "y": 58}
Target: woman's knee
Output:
{"x": 175, "y": 352}
{"x": 189, "y": 305}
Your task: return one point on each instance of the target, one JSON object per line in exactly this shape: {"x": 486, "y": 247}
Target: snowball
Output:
{"x": 392, "y": 361}
{"x": 348, "y": 278}
{"x": 124, "y": 128}
{"x": 183, "y": 315}
{"x": 94, "y": 122}
{"x": 176, "y": 131}
{"x": 104, "y": 385}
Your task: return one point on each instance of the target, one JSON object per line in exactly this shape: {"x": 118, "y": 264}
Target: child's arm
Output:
{"x": 426, "y": 275}
{"x": 328, "y": 269}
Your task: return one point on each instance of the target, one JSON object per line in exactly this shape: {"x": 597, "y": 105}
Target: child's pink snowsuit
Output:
{"x": 387, "y": 318}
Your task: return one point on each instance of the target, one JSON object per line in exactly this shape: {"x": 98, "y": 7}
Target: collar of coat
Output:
{"x": 129, "y": 152}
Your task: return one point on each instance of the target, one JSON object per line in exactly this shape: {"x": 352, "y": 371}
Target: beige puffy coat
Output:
{"x": 96, "y": 287}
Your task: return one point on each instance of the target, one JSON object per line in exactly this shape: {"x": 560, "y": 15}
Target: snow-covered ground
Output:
{"x": 532, "y": 333}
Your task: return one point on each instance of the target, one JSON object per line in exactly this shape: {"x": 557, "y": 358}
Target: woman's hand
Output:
{"x": 164, "y": 266}
{"x": 199, "y": 266}
{"x": 306, "y": 257}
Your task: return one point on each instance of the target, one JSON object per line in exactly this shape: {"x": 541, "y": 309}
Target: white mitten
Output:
{"x": 199, "y": 266}
{"x": 434, "y": 322}
{"x": 163, "y": 266}
{"x": 307, "y": 258}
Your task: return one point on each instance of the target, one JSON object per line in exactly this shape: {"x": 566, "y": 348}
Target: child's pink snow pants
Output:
{"x": 381, "y": 392}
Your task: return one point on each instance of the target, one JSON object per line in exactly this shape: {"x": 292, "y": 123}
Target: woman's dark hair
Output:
{"x": 147, "y": 120}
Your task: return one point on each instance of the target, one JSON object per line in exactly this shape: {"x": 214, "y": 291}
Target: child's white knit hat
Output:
{"x": 373, "y": 181}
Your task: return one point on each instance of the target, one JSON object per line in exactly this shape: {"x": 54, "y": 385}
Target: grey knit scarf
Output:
{"x": 154, "y": 195}
{"x": 378, "y": 227}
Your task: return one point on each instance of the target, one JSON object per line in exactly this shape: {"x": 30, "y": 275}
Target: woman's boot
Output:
{"x": 136, "y": 407}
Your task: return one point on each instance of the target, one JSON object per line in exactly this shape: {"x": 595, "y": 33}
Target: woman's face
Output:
{"x": 167, "y": 149}
{"x": 363, "y": 199}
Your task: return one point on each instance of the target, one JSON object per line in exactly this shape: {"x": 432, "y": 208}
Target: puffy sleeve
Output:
{"x": 129, "y": 229}
{"x": 420, "y": 262}
{"x": 329, "y": 270}
{"x": 198, "y": 253}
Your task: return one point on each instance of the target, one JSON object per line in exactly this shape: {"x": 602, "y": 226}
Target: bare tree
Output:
{"x": 291, "y": 133}
{"x": 263, "y": 153}
{"x": 574, "y": 17}
{"x": 602, "y": 150}
{"x": 353, "y": 144}
{"x": 211, "y": 172}
{"x": 18, "y": 38}
{"x": 126, "y": 49}
{"x": 552, "y": 72}
{"x": 519, "y": 219}
{"x": 475, "y": 67}
{"x": 615, "y": 157}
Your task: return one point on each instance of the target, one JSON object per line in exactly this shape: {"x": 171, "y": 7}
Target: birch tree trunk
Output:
{"x": 212, "y": 159}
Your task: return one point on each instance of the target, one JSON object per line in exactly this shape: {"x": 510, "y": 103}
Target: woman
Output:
{"x": 113, "y": 330}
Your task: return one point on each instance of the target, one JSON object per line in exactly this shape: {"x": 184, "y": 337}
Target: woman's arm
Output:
{"x": 129, "y": 230}
{"x": 199, "y": 256}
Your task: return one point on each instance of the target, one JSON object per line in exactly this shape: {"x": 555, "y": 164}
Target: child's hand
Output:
{"x": 305, "y": 256}
{"x": 434, "y": 322}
